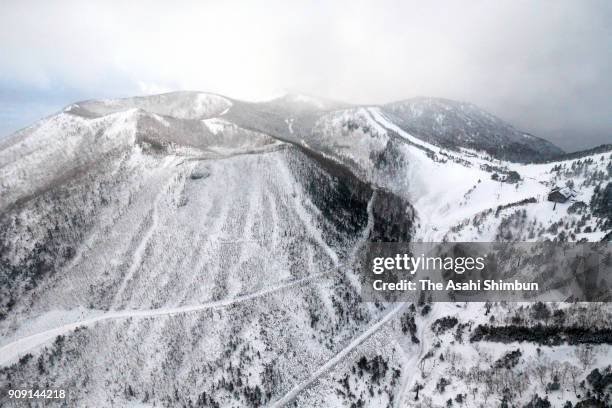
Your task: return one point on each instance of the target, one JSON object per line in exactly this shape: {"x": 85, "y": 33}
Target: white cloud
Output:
{"x": 147, "y": 88}
{"x": 516, "y": 58}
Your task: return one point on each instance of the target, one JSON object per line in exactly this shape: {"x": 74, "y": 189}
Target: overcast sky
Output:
{"x": 544, "y": 66}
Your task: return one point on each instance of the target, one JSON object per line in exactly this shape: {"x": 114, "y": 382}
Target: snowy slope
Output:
{"x": 181, "y": 105}
{"x": 189, "y": 242}
{"x": 453, "y": 191}
{"x": 457, "y": 124}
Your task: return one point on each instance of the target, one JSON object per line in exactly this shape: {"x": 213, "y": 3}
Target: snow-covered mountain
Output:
{"x": 188, "y": 249}
{"x": 456, "y": 124}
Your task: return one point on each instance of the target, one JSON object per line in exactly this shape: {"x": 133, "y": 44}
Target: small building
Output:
{"x": 561, "y": 194}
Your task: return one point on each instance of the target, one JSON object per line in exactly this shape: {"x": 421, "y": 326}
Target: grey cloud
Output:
{"x": 543, "y": 66}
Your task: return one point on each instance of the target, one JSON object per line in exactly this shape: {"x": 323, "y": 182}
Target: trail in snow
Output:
{"x": 138, "y": 255}
{"x": 307, "y": 219}
{"x": 365, "y": 234}
{"x": 381, "y": 120}
{"x": 218, "y": 154}
{"x": 358, "y": 245}
{"x": 17, "y": 348}
{"x": 430, "y": 201}
{"x": 410, "y": 365}
{"x": 295, "y": 391}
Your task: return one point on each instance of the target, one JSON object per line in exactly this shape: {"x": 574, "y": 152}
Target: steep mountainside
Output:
{"x": 454, "y": 124}
{"x": 189, "y": 249}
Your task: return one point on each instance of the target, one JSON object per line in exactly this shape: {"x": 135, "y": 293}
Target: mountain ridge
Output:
{"x": 454, "y": 124}
{"x": 537, "y": 149}
{"x": 212, "y": 243}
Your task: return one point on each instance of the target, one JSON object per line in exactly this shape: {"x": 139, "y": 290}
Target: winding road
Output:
{"x": 17, "y": 348}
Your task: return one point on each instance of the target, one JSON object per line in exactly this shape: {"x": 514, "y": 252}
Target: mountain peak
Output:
{"x": 303, "y": 101}
{"x": 179, "y": 104}
{"x": 455, "y": 124}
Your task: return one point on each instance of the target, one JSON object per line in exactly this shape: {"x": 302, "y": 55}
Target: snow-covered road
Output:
{"x": 296, "y": 390}
{"x": 17, "y": 348}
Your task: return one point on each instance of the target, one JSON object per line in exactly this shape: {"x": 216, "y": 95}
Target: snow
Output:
{"x": 181, "y": 105}
{"x": 304, "y": 99}
{"x": 289, "y": 123}
{"x": 292, "y": 394}
{"x": 446, "y": 194}
{"x": 19, "y": 346}
{"x": 174, "y": 274}
{"x": 215, "y": 125}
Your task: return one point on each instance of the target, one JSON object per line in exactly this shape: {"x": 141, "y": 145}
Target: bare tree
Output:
{"x": 541, "y": 368}
{"x": 575, "y": 374}
{"x": 585, "y": 354}
{"x": 564, "y": 373}
{"x": 417, "y": 387}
